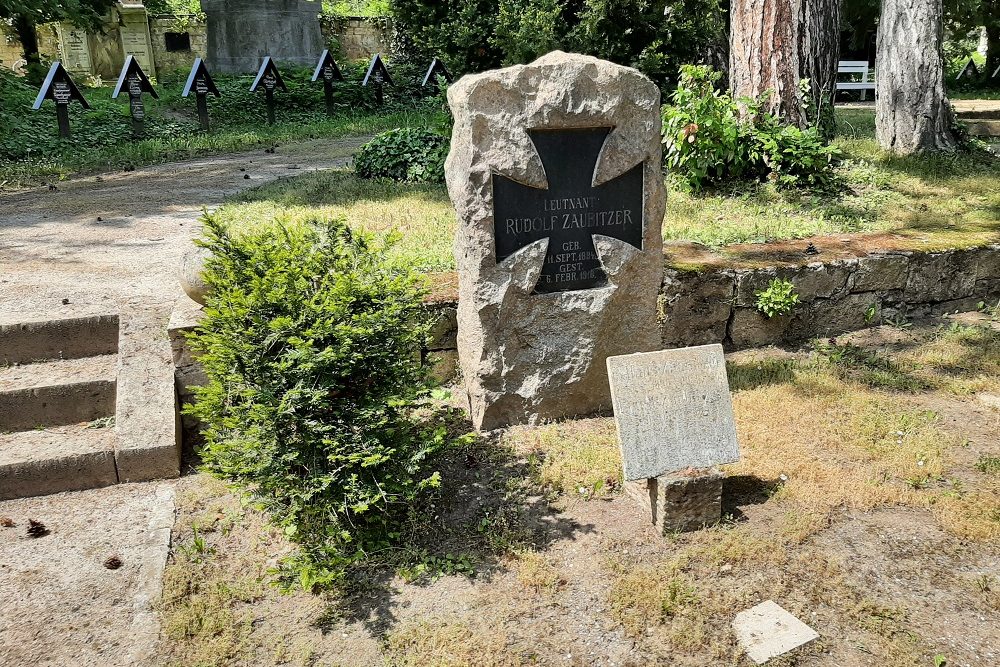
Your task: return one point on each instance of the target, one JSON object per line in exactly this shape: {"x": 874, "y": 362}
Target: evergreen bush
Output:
{"x": 308, "y": 344}
{"x": 405, "y": 154}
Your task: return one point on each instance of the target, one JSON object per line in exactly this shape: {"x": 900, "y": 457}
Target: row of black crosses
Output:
{"x": 60, "y": 88}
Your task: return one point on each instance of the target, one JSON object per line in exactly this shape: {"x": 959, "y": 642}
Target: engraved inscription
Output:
{"x": 570, "y": 211}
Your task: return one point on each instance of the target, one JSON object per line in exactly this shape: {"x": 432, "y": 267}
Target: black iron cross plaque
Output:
{"x": 570, "y": 211}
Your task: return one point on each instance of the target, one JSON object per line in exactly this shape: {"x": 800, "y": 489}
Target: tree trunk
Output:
{"x": 819, "y": 49}
{"x": 912, "y": 112}
{"x": 992, "y": 9}
{"x": 764, "y": 55}
{"x": 29, "y": 45}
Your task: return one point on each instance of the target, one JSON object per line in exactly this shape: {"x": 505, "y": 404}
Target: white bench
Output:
{"x": 855, "y": 67}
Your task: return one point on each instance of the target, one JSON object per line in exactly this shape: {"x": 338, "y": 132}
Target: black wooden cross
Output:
{"x": 570, "y": 211}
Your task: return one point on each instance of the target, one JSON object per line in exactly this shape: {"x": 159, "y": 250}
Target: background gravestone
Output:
{"x": 554, "y": 171}
{"x": 241, "y": 32}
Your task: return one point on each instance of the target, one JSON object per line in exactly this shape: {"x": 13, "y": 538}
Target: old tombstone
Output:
{"x": 328, "y": 70}
{"x": 59, "y": 87}
{"x": 554, "y": 171}
{"x": 74, "y": 48}
{"x": 200, "y": 82}
{"x": 135, "y": 82}
{"x": 378, "y": 75}
{"x": 436, "y": 69}
{"x": 268, "y": 78}
{"x": 675, "y": 423}
{"x": 241, "y": 32}
{"x": 133, "y": 25}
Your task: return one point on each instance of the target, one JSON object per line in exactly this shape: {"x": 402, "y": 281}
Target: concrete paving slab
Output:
{"x": 767, "y": 631}
{"x": 61, "y": 604}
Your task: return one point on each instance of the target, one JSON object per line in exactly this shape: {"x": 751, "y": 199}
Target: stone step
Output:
{"x": 64, "y": 458}
{"x": 987, "y": 114}
{"x": 57, "y": 393}
{"x": 63, "y": 338}
{"x": 983, "y": 127}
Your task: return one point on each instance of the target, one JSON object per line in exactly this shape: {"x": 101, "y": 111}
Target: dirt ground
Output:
{"x": 536, "y": 557}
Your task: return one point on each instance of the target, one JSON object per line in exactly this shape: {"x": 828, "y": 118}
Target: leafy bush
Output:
{"x": 707, "y": 137}
{"x": 308, "y": 343}
{"x": 404, "y": 154}
{"x": 475, "y": 35}
{"x": 778, "y": 299}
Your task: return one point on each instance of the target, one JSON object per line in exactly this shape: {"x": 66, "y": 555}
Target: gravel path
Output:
{"x": 101, "y": 241}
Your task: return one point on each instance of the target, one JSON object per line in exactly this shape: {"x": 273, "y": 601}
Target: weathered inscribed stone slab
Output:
{"x": 673, "y": 410}
{"x": 554, "y": 171}
{"x": 767, "y": 631}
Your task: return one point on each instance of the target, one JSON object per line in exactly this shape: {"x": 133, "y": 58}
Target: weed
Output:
{"x": 989, "y": 465}
{"x": 778, "y": 299}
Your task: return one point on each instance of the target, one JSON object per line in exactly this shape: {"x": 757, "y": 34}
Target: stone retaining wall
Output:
{"x": 719, "y": 305}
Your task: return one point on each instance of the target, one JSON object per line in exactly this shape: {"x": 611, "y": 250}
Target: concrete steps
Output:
{"x": 982, "y": 122}
{"x": 74, "y": 414}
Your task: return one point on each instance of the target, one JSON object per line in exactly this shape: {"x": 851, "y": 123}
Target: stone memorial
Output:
{"x": 74, "y": 48}
{"x": 241, "y": 32}
{"x": 675, "y": 423}
{"x": 59, "y": 87}
{"x": 134, "y": 29}
{"x": 554, "y": 171}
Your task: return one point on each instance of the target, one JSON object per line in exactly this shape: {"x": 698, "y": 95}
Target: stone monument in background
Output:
{"x": 242, "y": 32}
{"x": 554, "y": 171}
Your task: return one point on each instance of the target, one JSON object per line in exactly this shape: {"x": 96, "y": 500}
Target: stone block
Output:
{"x": 749, "y": 328}
{"x": 831, "y": 317}
{"x": 681, "y": 501}
{"x": 695, "y": 307}
{"x": 444, "y": 365}
{"x": 813, "y": 281}
{"x": 880, "y": 273}
{"x": 444, "y": 334}
{"x": 938, "y": 277}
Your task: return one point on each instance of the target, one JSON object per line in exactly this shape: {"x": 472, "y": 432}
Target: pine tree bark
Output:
{"x": 764, "y": 55}
{"x": 992, "y": 10}
{"x": 26, "y": 34}
{"x": 912, "y": 111}
{"x": 776, "y": 43}
{"x": 819, "y": 49}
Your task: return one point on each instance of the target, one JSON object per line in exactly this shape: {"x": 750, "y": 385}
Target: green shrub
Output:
{"x": 707, "y": 138}
{"x": 405, "y": 154}
{"x": 308, "y": 343}
{"x": 778, "y": 299}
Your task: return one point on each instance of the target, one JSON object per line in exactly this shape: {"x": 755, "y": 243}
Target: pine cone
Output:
{"x": 7, "y": 522}
{"x": 37, "y": 529}
{"x": 113, "y": 562}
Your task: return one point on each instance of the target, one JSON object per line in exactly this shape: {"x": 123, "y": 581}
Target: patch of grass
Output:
{"x": 421, "y": 216}
{"x": 443, "y": 642}
{"x": 988, "y": 465}
{"x": 927, "y": 202}
{"x": 537, "y": 573}
{"x": 575, "y": 457}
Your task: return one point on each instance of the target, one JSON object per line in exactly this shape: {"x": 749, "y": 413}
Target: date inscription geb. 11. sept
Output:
{"x": 570, "y": 211}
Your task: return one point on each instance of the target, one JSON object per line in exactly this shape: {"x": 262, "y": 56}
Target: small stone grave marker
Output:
{"x": 767, "y": 631}
{"x": 268, "y": 78}
{"x": 59, "y": 87}
{"x": 554, "y": 171}
{"x": 135, "y": 82}
{"x": 675, "y": 423}
{"x": 328, "y": 70}
{"x": 200, "y": 82}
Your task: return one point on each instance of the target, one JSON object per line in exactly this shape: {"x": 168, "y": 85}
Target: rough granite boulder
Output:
{"x": 527, "y": 356}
